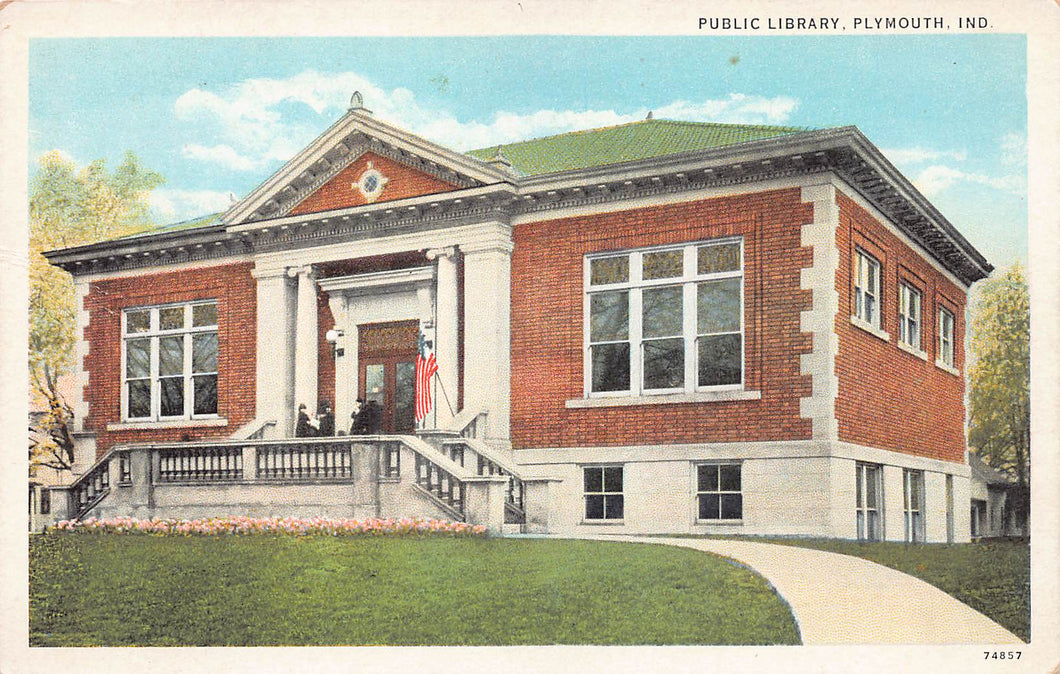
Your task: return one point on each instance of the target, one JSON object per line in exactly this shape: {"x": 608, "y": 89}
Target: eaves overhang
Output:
{"x": 147, "y": 250}
{"x": 382, "y": 218}
{"x": 844, "y": 151}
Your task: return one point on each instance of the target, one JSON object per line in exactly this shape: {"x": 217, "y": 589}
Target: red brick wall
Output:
{"x": 235, "y": 291}
{"x": 340, "y": 191}
{"x": 325, "y": 352}
{"x": 547, "y": 324}
{"x": 887, "y": 397}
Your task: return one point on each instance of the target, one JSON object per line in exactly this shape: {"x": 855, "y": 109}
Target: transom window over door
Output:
{"x": 169, "y": 356}
{"x": 665, "y": 320}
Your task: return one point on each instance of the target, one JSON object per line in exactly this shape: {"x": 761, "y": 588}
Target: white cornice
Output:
{"x": 378, "y": 282}
{"x": 413, "y": 205}
{"x": 470, "y": 236}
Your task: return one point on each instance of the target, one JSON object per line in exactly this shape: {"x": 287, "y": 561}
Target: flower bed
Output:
{"x": 244, "y": 526}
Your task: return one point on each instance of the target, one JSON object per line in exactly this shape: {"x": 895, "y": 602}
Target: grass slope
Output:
{"x": 991, "y": 577}
{"x": 142, "y": 590}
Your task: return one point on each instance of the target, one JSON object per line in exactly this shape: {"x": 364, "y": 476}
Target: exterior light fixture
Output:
{"x": 333, "y": 336}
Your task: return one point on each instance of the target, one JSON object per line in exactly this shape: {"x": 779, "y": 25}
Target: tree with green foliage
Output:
{"x": 999, "y": 380}
{"x": 69, "y": 206}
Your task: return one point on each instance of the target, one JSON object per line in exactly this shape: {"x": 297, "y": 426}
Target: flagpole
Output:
{"x": 444, "y": 395}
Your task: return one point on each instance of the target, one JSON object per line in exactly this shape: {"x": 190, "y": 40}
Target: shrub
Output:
{"x": 246, "y": 526}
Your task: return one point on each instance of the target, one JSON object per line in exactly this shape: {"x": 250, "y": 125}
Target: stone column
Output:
{"x": 345, "y": 364}
{"x": 446, "y": 345}
{"x": 275, "y": 374}
{"x": 305, "y": 340}
{"x": 487, "y": 332}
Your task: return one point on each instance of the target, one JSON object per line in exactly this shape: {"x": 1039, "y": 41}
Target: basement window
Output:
{"x": 719, "y": 494}
{"x": 604, "y": 499}
{"x": 169, "y": 362}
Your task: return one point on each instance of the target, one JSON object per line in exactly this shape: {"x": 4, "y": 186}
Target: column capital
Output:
{"x": 446, "y": 251}
{"x": 303, "y": 270}
{"x": 268, "y": 272}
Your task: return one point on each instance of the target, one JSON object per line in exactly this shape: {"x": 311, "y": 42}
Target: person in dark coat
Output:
{"x": 369, "y": 420}
{"x": 358, "y": 427}
{"x": 374, "y": 417}
{"x": 326, "y": 421}
{"x": 303, "y": 429}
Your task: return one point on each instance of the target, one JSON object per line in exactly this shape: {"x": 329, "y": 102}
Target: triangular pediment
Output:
{"x": 371, "y": 178}
{"x": 332, "y": 171}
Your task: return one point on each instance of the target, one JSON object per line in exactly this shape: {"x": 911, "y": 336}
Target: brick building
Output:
{"x": 664, "y": 326}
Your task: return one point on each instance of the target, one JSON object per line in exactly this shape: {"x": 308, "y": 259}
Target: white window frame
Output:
{"x": 866, "y": 514}
{"x": 910, "y": 316}
{"x": 945, "y": 354}
{"x": 154, "y": 333}
{"x": 914, "y": 517}
{"x": 862, "y": 262}
{"x": 635, "y": 286}
{"x": 718, "y": 492}
{"x": 602, "y": 467}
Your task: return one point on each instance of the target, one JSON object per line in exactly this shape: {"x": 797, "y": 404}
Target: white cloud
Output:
{"x": 920, "y": 155}
{"x": 1014, "y": 149}
{"x": 937, "y": 178}
{"x": 255, "y": 125}
{"x": 173, "y": 205}
{"x": 224, "y": 155}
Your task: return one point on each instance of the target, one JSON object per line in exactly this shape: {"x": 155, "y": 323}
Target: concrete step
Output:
{"x": 510, "y": 529}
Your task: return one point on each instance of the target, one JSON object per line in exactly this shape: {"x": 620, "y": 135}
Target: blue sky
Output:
{"x": 219, "y": 115}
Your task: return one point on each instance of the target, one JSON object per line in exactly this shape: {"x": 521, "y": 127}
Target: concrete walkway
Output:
{"x": 839, "y": 599}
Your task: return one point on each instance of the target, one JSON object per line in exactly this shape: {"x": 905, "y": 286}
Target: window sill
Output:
{"x": 596, "y": 523}
{"x": 666, "y": 399}
{"x": 947, "y": 368}
{"x": 869, "y": 328}
{"x": 715, "y": 523}
{"x": 169, "y": 423}
{"x": 912, "y": 350}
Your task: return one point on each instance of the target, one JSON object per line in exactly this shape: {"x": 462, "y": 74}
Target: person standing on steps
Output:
{"x": 303, "y": 429}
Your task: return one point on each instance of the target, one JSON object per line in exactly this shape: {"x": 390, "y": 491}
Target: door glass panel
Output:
{"x": 374, "y": 384}
{"x": 405, "y": 390}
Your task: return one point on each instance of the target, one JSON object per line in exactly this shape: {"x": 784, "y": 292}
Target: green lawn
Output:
{"x": 262, "y": 590}
{"x": 992, "y": 577}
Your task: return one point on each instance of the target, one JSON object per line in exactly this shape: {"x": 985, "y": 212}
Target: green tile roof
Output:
{"x": 194, "y": 223}
{"x": 625, "y": 142}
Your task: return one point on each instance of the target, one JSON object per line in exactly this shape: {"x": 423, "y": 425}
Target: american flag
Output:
{"x": 425, "y": 369}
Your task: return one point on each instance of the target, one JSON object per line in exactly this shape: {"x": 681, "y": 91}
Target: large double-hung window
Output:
{"x": 169, "y": 358}
{"x": 665, "y": 320}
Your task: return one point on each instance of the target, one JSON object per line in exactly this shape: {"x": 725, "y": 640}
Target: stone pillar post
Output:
{"x": 305, "y": 340}
{"x": 487, "y": 332}
{"x": 446, "y": 344}
{"x": 484, "y": 501}
{"x": 274, "y": 389}
{"x": 345, "y": 354}
{"x": 892, "y": 504}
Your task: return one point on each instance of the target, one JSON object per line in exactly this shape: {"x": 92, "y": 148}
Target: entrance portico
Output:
{"x": 464, "y": 272}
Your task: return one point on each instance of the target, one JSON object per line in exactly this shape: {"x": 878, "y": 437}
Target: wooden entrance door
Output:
{"x": 387, "y": 355}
